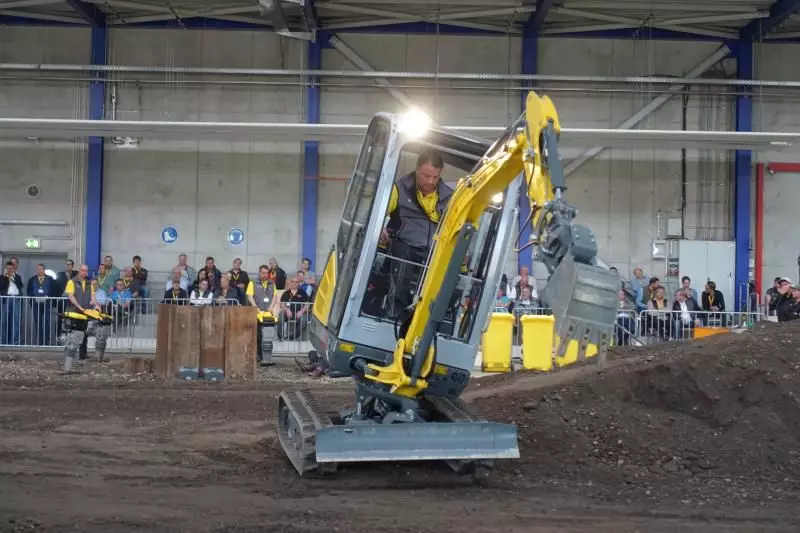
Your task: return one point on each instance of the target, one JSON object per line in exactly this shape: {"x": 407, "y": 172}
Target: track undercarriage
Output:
{"x": 316, "y": 441}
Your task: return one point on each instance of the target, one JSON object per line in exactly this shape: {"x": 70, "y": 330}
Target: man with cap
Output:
{"x": 787, "y": 306}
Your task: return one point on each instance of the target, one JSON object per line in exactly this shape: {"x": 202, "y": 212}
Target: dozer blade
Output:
{"x": 584, "y": 300}
{"x": 419, "y": 441}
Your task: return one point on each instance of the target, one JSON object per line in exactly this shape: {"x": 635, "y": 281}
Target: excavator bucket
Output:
{"x": 584, "y": 300}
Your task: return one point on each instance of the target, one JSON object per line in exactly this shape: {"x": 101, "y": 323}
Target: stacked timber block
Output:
{"x": 206, "y": 337}
{"x": 139, "y": 365}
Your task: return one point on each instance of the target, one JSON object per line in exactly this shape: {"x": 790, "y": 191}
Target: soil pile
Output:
{"x": 705, "y": 422}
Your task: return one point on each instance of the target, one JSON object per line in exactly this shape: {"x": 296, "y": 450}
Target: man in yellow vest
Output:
{"x": 79, "y": 324}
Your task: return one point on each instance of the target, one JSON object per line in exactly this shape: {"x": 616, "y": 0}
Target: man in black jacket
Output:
{"x": 11, "y": 308}
{"x": 41, "y": 288}
{"x": 714, "y": 304}
{"x": 787, "y": 307}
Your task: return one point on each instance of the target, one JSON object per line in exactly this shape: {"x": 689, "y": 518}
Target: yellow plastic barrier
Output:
{"x": 537, "y": 342}
{"x": 701, "y": 332}
{"x": 496, "y": 343}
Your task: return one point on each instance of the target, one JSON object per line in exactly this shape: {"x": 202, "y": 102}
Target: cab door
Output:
{"x": 361, "y": 192}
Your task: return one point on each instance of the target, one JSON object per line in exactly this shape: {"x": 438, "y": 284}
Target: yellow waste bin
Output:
{"x": 537, "y": 342}
{"x": 496, "y": 343}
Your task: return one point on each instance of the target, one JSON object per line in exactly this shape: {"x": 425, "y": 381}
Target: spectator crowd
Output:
{"x": 124, "y": 293}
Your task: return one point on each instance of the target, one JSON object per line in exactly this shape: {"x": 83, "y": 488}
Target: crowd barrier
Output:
{"x": 525, "y": 337}
{"x": 34, "y": 323}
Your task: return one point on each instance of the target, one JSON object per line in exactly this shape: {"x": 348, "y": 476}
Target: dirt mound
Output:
{"x": 704, "y": 422}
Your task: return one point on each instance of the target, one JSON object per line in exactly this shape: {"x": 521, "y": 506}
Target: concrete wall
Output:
{"x": 205, "y": 189}
{"x": 58, "y": 168}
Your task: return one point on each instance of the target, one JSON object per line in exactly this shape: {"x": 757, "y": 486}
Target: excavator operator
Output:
{"x": 416, "y": 204}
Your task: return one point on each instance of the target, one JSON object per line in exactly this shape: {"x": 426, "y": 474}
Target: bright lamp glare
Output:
{"x": 414, "y": 123}
{"x": 497, "y": 198}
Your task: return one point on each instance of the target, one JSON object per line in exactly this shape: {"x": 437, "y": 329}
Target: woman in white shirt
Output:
{"x": 201, "y": 295}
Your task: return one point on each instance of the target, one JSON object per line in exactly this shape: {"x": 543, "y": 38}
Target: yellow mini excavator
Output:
{"x": 408, "y": 331}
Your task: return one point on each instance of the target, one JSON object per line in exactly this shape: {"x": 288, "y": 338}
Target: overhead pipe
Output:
{"x": 53, "y": 223}
{"x": 439, "y": 76}
{"x": 654, "y": 105}
{"x": 360, "y": 63}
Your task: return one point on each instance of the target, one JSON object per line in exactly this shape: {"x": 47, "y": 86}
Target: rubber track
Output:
{"x": 306, "y": 411}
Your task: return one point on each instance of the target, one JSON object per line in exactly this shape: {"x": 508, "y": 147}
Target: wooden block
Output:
{"x": 139, "y": 365}
{"x": 178, "y": 339}
{"x": 162, "y": 338}
{"x": 240, "y": 342}
{"x": 212, "y": 337}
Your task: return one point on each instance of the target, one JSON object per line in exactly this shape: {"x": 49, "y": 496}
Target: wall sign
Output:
{"x": 236, "y": 236}
{"x": 169, "y": 235}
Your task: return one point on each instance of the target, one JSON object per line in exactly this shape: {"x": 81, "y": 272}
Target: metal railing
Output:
{"x": 656, "y": 326}
{"x": 35, "y": 322}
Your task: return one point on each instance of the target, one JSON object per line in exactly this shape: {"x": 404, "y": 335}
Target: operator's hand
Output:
{"x": 383, "y": 240}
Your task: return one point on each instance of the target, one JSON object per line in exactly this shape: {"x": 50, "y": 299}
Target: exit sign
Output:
{"x": 33, "y": 244}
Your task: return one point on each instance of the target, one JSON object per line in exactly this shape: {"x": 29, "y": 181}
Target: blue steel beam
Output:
{"x": 311, "y": 157}
{"x": 743, "y": 175}
{"x": 90, "y": 12}
{"x": 530, "y": 65}
{"x": 779, "y": 12}
{"x": 95, "y": 164}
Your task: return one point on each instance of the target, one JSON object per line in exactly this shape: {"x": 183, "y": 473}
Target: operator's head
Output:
{"x": 263, "y": 272}
{"x": 83, "y": 272}
{"x": 428, "y": 171}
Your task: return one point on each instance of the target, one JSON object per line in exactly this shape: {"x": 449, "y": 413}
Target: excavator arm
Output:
{"x": 581, "y": 296}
